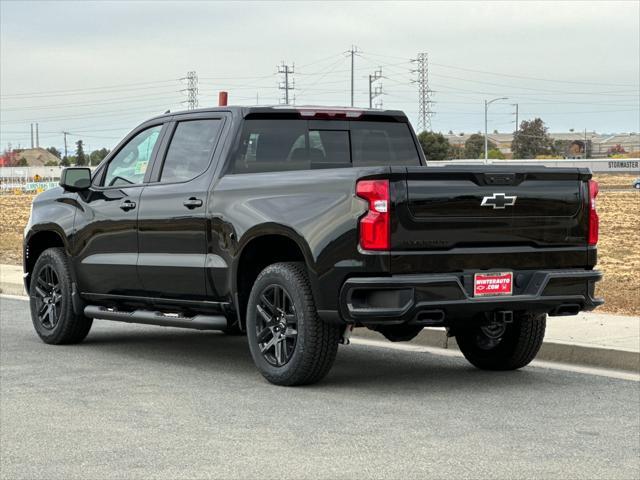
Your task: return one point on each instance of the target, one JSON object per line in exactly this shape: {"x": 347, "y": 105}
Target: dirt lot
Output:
{"x": 619, "y": 247}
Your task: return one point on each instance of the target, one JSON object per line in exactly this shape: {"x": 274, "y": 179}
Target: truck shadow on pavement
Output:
{"x": 356, "y": 366}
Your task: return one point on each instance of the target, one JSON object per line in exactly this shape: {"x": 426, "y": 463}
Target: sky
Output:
{"x": 97, "y": 69}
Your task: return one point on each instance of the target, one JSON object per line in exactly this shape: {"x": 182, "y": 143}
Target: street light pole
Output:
{"x": 486, "y": 134}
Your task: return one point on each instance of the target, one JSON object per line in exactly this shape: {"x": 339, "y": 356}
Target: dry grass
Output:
{"x": 14, "y": 214}
{"x": 619, "y": 247}
{"x": 615, "y": 180}
{"x": 619, "y": 251}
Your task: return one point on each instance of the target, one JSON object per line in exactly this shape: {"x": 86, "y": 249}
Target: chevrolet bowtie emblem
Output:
{"x": 499, "y": 201}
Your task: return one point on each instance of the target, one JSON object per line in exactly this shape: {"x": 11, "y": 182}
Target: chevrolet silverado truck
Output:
{"x": 295, "y": 225}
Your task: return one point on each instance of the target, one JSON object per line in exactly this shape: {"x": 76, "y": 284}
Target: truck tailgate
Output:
{"x": 489, "y": 211}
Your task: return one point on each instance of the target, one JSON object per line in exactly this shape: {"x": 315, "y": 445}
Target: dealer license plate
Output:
{"x": 493, "y": 283}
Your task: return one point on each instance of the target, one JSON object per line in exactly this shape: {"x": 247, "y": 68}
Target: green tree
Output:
{"x": 80, "y": 157}
{"x": 51, "y": 163}
{"x": 65, "y": 162}
{"x": 495, "y": 154}
{"x": 456, "y": 152}
{"x": 434, "y": 145}
{"x": 22, "y": 162}
{"x": 97, "y": 156}
{"x": 531, "y": 140}
{"x": 54, "y": 151}
{"x": 474, "y": 146}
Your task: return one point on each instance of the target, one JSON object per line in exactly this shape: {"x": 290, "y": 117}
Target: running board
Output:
{"x": 147, "y": 317}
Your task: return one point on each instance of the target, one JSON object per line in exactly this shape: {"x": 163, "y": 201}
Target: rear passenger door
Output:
{"x": 172, "y": 221}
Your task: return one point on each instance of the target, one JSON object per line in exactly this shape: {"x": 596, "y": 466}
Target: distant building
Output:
{"x": 35, "y": 157}
{"x": 571, "y": 143}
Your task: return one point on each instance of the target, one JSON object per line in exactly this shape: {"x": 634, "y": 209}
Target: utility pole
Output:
{"x": 586, "y": 149}
{"x": 424, "y": 92}
{"x": 37, "y": 136}
{"x": 32, "y": 135}
{"x": 486, "y": 134}
{"x": 377, "y": 90}
{"x": 353, "y": 52}
{"x": 191, "y": 90}
{"x": 65, "y": 143}
{"x": 287, "y": 83}
{"x": 517, "y": 124}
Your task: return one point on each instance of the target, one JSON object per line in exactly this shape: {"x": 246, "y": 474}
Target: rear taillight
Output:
{"x": 375, "y": 225}
{"x": 594, "y": 221}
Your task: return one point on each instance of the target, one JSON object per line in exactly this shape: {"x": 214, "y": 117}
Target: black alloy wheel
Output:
{"x": 276, "y": 325}
{"x": 48, "y": 297}
{"x": 51, "y": 300}
{"x": 289, "y": 343}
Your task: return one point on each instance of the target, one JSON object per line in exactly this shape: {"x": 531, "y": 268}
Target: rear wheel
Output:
{"x": 503, "y": 347}
{"x": 50, "y": 300}
{"x": 289, "y": 343}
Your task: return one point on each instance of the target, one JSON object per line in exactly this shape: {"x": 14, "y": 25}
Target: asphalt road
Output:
{"x": 151, "y": 402}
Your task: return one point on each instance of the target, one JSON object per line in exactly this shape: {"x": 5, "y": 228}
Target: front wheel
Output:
{"x": 50, "y": 299}
{"x": 503, "y": 347}
{"x": 289, "y": 343}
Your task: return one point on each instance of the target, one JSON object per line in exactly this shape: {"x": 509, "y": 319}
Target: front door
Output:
{"x": 106, "y": 238}
{"x": 172, "y": 218}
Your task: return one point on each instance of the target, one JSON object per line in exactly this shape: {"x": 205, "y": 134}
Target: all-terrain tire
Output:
{"x": 317, "y": 341}
{"x": 517, "y": 347}
{"x": 69, "y": 327}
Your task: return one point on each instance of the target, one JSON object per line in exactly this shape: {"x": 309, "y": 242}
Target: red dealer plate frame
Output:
{"x": 491, "y": 284}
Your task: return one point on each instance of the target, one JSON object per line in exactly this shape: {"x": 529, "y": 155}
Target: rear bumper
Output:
{"x": 436, "y": 299}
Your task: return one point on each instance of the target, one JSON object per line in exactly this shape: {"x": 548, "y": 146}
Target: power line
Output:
{"x": 533, "y": 78}
{"x": 111, "y": 101}
{"x": 84, "y": 89}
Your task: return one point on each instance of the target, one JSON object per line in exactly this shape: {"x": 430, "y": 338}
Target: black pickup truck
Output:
{"x": 295, "y": 225}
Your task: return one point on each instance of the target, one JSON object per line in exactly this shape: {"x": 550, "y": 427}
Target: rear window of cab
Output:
{"x": 283, "y": 145}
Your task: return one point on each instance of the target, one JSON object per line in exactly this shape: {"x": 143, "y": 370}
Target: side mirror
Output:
{"x": 75, "y": 179}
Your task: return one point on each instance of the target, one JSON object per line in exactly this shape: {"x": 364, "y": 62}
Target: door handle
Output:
{"x": 192, "y": 203}
{"x": 127, "y": 205}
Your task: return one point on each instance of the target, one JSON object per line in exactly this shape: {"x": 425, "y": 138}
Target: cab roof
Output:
{"x": 298, "y": 111}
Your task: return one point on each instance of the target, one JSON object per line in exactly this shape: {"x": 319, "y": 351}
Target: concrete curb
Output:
{"x": 574, "y": 354}
{"x": 10, "y": 288}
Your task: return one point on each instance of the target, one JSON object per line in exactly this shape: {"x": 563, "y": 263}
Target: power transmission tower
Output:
{"x": 288, "y": 82}
{"x": 375, "y": 91}
{"x": 191, "y": 90}
{"x": 424, "y": 92}
{"x": 353, "y": 52}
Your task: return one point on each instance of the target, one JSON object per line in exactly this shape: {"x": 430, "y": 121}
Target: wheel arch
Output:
{"x": 36, "y": 242}
{"x": 262, "y": 246}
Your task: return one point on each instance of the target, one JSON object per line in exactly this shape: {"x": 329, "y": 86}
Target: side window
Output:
{"x": 130, "y": 164}
{"x": 329, "y": 148}
{"x": 272, "y": 146}
{"x": 190, "y": 150}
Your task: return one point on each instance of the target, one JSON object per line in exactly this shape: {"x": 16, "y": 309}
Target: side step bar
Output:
{"x": 147, "y": 317}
